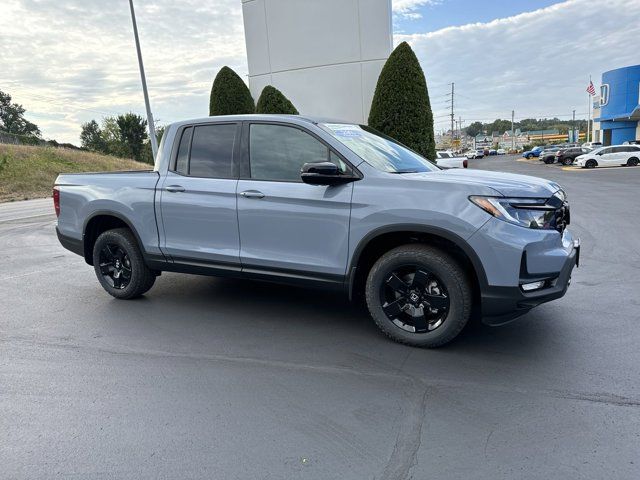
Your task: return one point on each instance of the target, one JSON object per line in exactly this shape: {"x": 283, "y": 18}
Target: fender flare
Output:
{"x": 119, "y": 216}
{"x": 418, "y": 228}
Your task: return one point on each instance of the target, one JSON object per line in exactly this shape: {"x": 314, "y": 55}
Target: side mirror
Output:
{"x": 323, "y": 173}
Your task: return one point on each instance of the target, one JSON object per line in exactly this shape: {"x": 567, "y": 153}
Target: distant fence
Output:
{"x": 6, "y": 137}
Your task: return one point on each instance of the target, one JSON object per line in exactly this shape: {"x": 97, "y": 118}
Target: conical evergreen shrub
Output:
{"x": 230, "y": 95}
{"x": 400, "y": 106}
{"x": 272, "y": 100}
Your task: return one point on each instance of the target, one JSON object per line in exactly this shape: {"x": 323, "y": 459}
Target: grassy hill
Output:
{"x": 29, "y": 172}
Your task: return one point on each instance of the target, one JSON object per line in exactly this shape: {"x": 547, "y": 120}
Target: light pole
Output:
{"x": 152, "y": 128}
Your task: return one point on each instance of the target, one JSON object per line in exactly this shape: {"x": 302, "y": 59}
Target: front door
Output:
{"x": 286, "y": 226}
{"x": 198, "y": 199}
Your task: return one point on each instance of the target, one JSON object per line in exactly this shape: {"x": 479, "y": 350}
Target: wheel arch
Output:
{"x": 100, "y": 221}
{"x": 383, "y": 239}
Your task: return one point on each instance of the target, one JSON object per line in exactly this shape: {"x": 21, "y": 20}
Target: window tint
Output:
{"x": 278, "y": 152}
{"x": 212, "y": 151}
{"x": 182, "y": 161}
{"x": 618, "y": 150}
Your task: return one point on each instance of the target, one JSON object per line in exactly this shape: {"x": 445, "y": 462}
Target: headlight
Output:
{"x": 526, "y": 212}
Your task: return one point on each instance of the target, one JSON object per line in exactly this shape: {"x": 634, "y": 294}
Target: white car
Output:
{"x": 607, "y": 156}
{"x": 501, "y": 151}
{"x": 478, "y": 153}
{"x": 591, "y": 145}
{"x": 447, "y": 159}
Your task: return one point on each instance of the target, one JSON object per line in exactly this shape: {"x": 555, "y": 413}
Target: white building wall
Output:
{"x": 324, "y": 55}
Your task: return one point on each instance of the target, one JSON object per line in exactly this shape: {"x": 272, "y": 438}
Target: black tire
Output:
{"x": 121, "y": 245}
{"x": 567, "y": 161}
{"x": 591, "y": 164}
{"x": 548, "y": 161}
{"x": 452, "y": 285}
{"x": 632, "y": 162}
{"x": 528, "y": 157}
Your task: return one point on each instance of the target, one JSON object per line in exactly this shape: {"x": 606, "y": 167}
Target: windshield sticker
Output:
{"x": 344, "y": 130}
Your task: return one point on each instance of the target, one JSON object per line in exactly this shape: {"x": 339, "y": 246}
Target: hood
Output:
{"x": 507, "y": 184}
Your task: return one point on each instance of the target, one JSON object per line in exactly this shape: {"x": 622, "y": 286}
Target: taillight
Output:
{"x": 56, "y": 200}
{"x": 465, "y": 163}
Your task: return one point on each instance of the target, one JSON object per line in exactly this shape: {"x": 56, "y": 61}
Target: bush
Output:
{"x": 400, "y": 106}
{"x": 272, "y": 100}
{"x": 230, "y": 95}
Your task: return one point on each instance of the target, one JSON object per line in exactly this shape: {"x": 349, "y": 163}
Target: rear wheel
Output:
{"x": 632, "y": 162}
{"x": 591, "y": 164}
{"x": 119, "y": 265}
{"x": 567, "y": 161}
{"x": 419, "y": 295}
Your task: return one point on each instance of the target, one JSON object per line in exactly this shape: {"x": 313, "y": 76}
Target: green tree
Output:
{"x": 230, "y": 95}
{"x": 132, "y": 133}
{"x": 474, "y": 129}
{"x": 12, "y": 118}
{"x": 272, "y": 100}
{"x": 91, "y": 137}
{"x": 401, "y": 106}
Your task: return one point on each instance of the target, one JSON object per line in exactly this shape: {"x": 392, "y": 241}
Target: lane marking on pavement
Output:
{"x": 580, "y": 169}
{"x": 13, "y": 219}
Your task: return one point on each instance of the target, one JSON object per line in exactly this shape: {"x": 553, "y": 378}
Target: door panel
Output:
{"x": 294, "y": 226}
{"x": 198, "y": 198}
{"x": 200, "y": 223}
{"x": 286, "y": 224}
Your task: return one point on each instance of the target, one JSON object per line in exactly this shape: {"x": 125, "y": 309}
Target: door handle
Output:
{"x": 252, "y": 194}
{"x": 174, "y": 188}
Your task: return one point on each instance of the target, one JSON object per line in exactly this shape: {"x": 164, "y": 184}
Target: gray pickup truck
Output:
{"x": 323, "y": 203}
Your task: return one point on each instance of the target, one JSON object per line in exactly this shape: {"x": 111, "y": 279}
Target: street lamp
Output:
{"x": 152, "y": 129}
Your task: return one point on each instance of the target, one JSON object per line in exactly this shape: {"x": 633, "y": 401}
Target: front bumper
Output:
{"x": 500, "y": 305}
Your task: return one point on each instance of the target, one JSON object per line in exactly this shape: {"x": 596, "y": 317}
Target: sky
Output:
{"x": 70, "y": 61}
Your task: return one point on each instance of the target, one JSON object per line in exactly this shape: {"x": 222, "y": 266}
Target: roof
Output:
{"x": 296, "y": 119}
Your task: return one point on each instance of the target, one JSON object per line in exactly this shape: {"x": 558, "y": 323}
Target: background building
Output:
{"x": 325, "y": 56}
{"x": 617, "y": 120}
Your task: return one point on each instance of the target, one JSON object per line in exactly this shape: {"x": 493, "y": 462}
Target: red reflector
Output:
{"x": 465, "y": 163}
{"x": 56, "y": 200}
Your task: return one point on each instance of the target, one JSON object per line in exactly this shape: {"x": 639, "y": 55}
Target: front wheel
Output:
{"x": 419, "y": 295}
{"x": 528, "y": 157}
{"x": 632, "y": 162}
{"x": 567, "y": 161}
{"x": 591, "y": 164}
{"x": 119, "y": 266}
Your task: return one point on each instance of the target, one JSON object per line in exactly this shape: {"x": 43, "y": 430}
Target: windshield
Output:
{"x": 378, "y": 150}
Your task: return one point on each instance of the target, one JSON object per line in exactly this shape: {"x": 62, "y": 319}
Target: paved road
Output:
{"x": 205, "y": 378}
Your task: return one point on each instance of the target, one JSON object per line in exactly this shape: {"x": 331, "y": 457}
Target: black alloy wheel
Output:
{"x": 632, "y": 162}
{"x": 115, "y": 266}
{"x": 414, "y": 299}
{"x": 591, "y": 164}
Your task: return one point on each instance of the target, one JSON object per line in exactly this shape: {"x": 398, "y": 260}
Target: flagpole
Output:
{"x": 589, "y": 111}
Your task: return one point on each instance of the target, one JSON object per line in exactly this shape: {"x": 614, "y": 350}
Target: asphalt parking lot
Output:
{"x": 210, "y": 378}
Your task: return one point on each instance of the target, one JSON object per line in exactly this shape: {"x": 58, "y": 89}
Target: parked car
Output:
{"x": 295, "y": 200}
{"x": 548, "y": 155}
{"x": 628, "y": 155}
{"x": 501, "y": 151}
{"x": 534, "y": 152}
{"x": 447, "y": 159}
{"x": 631, "y": 142}
{"x": 592, "y": 145}
{"x": 472, "y": 154}
{"x": 493, "y": 152}
{"x": 566, "y": 156}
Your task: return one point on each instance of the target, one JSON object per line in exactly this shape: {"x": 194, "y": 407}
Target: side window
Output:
{"x": 182, "y": 160}
{"x": 606, "y": 151}
{"x": 618, "y": 150}
{"x": 277, "y": 152}
{"x": 212, "y": 150}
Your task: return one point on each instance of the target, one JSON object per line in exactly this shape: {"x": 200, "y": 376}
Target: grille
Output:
{"x": 563, "y": 217}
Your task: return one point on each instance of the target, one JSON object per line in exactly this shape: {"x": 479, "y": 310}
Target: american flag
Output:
{"x": 591, "y": 90}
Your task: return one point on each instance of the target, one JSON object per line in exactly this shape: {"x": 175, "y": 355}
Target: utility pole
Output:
{"x": 152, "y": 128}
{"x": 452, "y": 114}
{"x": 573, "y": 129}
{"x": 513, "y": 138}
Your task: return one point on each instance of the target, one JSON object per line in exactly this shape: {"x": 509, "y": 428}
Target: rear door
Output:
{"x": 198, "y": 198}
{"x": 288, "y": 227}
